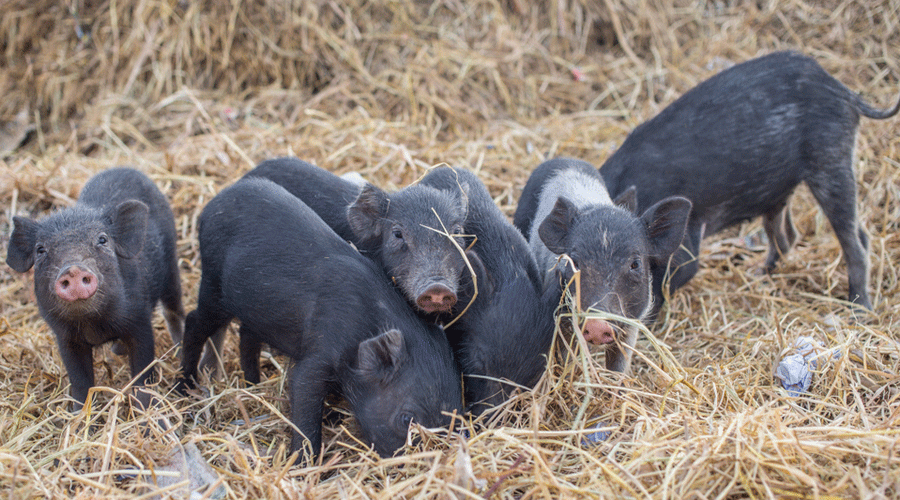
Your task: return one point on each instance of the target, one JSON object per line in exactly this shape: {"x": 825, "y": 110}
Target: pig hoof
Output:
{"x": 184, "y": 387}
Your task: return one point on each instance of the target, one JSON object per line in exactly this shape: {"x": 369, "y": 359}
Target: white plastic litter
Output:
{"x": 794, "y": 370}
{"x": 597, "y": 436}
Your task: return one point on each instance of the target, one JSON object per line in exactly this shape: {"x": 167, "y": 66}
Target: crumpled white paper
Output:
{"x": 794, "y": 370}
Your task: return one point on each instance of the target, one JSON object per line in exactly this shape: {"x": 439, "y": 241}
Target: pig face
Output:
{"x": 399, "y": 383}
{"x": 613, "y": 249}
{"x": 401, "y": 228}
{"x": 75, "y": 255}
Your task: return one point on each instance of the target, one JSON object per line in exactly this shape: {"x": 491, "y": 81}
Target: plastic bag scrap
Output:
{"x": 794, "y": 370}
{"x": 597, "y": 435}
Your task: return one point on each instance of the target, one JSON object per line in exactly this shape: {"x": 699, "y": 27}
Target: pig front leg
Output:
{"x": 309, "y": 387}
{"x": 141, "y": 351}
{"x": 679, "y": 270}
{"x": 211, "y": 362}
{"x": 78, "y": 358}
{"x": 200, "y": 325}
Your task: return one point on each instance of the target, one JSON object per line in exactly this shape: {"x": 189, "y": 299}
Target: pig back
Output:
{"x": 754, "y": 121}
{"x": 327, "y": 194}
{"x": 290, "y": 278}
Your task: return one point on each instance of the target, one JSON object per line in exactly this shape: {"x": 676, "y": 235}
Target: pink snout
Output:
{"x": 438, "y": 298}
{"x": 599, "y": 332}
{"x": 75, "y": 283}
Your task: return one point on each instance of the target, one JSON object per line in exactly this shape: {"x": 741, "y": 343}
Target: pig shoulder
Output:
{"x": 327, "y": 194}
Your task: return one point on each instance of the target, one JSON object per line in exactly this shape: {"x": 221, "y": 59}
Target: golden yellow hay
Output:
{"x": 196, "y": 93}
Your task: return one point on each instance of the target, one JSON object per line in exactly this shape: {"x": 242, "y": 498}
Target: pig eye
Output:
{"x": 635, "y": 264}
{"x": 40, "y": 250}
{"x": 457, "y": 230}
{"x": 102, "y": 239}
{"x": 398, "y": 234}
{"x": 405, "y": 419}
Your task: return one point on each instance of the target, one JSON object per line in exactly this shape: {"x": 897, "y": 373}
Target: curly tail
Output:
{"x": 877, "y": 114}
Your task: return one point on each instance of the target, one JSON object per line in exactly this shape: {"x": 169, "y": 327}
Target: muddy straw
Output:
{"x": 196, "y": 93}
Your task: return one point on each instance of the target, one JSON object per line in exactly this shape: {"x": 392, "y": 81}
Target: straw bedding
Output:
{"x": 195, "y": 93}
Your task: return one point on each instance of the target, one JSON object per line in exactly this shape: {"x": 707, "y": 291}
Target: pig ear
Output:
{"x": 129, "y": 227}
{"x": 366, "y": 212}
{"x": 666, "y": 222}
{"x": 554, "y": 230}
{"x": 485, "y": 282}
{"x": 20, "y": 255}
{"x": 627, "y": 200}
{"x": 381, "y": 356}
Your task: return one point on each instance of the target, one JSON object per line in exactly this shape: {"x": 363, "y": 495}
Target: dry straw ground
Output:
{"x": 196, "y": 92}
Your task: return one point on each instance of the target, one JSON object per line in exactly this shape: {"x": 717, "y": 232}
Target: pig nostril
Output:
{"x": 86, "y": 280}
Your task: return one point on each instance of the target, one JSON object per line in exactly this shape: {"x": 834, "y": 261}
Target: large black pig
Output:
{"x": 397, "y": 230}
{"x": 565, "y": 209}
{"x": 738, "y": 144}
{"x": 507, "y": 331}
{"x": 100, "y": 267}
{"x": 271, "y": 262}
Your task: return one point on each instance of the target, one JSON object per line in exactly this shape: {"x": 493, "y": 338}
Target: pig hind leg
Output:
{"x": 835, "y": 191}
{"x": 250, "y": 347}
{"x": 781, "y": 233}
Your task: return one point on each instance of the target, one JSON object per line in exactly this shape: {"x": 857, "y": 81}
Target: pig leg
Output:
{"x": 79, "y": 362}
{"x": 618, "y": 357}
{"x": 836, "y": 194}
{"x": 250, "y": 347}
{"x": 780, "y": 232}
{"x": 141, "y": 351}
{"x": 174, "y": 323}
{"x": 308, "y": 392}
{"x": 211, "y": 362}
{"x": 682, "y": 267}
{"x": 684, "y": 261}
{"x": 173, "y": 310}
{"x": 201, "y": 324}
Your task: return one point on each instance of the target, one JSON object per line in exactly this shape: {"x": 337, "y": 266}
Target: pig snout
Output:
{"x": 75, "y": 283}
{"x": 598, "y": 332}
{"x": 437, "y": 298}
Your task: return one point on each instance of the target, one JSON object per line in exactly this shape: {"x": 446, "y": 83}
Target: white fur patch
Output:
{"x": 582, "y": 190}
